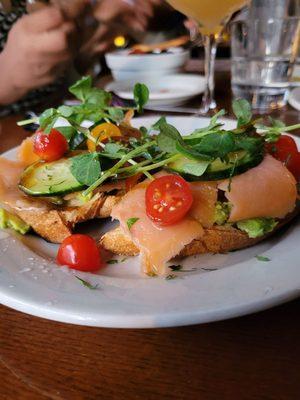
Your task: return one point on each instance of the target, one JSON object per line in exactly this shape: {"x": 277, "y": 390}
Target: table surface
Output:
{"x": 254, "y": 357}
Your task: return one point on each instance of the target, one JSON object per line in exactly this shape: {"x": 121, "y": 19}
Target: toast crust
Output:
{"x": 217, "y": 239}
{"x": 55, "y": 225}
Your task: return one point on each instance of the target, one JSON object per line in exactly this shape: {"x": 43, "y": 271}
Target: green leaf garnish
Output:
{"x": 176, "y": 267}
{"x": 117, "y": 114}
{"x": 131, "y": 221}
{"x": 196, "y": 169}
{"x": 87, "y": 284}
{"x": 179, "y": 268}
{"x": 141, "y": 96}
{"x": 65, "y": 111}
{"x": 81, "y": 88}
{"x": 47, "y": 117}
{"x": 168, "y": 138}
{"x": 209, "y": 269}
{"x": 86, "y": 168}
{"x": 112, "y": 262}
{"x": 171, "y": 277}
{"x": 217, "y": 144}
{"x": 68, "y": 131}
{"x": 156, "y": 126}
{"x": 84, "y": 92}
{"x": 243, "y": 112}
{"x": 262, "y": 258}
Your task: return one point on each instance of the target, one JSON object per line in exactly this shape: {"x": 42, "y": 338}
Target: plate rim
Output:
{"x": 165, "y": 96}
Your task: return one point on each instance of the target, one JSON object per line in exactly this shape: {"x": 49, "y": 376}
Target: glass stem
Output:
{"x": 210, "y": 46}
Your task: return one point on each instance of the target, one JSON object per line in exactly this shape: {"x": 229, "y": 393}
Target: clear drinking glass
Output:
{"x": 212, "y": 16}
{"x": 263, "y": 55}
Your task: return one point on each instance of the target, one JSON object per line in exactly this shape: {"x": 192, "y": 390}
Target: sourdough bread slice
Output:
{"x": 57, "y": 223}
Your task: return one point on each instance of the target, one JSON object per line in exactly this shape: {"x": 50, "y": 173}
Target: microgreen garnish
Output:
{"x": 86, "y": 168}
{"x": 171, "y": 277}
{"x": 179, "y": 268}
{"x": 263, "y": 258}
{"x": 112, "y": 262}
{"x": 114, "y": 170}
{"x": 95, "y": 105}
{"x": 141, "y": 96}
{"x": 157, "y": 124}
{"x": 209, "y": 269}
{"x": 176, "y": 267}
{"x": 87, "y": 284}
{"x": 131, "y": 221}
{"x": 242, "y": 110}
{"x": 272, "y": 133}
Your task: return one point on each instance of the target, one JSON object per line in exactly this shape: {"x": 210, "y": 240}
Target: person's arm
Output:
{"x": 36, "y": 53}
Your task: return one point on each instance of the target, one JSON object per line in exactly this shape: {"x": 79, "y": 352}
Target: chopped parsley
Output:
{"x": 87, "y": 284}
{"x": 263, "y": 258}
{"x": 131, "y": 222}
{"x": 171, "y": 277}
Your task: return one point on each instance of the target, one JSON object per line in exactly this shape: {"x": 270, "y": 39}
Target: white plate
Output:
{"x": 224, "y": 285}
{"x": 294, "y": 98}
{"x": 166, "y": 90}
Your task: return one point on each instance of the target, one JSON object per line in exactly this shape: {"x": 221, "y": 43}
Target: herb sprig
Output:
{"x": 87, "y": 284}
{"x": 95, "y": 106}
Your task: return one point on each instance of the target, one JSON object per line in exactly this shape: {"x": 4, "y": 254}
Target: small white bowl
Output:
{"x": 142, "y": 66}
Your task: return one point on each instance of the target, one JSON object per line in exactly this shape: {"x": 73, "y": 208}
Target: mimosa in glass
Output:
{"x": 212, "y": 16}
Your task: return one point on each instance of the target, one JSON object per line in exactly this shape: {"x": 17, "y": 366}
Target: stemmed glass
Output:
{"x": 211, "y": 16}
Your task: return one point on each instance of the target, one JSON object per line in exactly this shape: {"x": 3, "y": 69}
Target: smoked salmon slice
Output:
{"x": 157, "y": 244}
{"x": 205, "y": 196}
{"x": 268, "y": 190}
{"x": 10, "y": 172}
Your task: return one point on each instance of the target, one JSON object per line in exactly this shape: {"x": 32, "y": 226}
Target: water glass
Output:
{"x": 263, "y": 55}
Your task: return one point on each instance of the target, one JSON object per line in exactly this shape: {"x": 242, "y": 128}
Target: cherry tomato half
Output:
{"x": 80, "y": 252}
{"x": 50, "y": 147}
{"x": 293, "y": 165}
{"x": 168, "y": 199}
{"x": 281, "y": 149}
{"x": 103, "y": 132}
{"x": 286, "y": 151}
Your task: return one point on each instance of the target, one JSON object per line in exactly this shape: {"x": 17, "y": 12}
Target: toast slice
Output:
{"x": 55, "y": 224}
{"x": 217, "y": 239}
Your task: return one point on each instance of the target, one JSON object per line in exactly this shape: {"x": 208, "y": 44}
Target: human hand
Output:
{"x": 135, "y": 14}
{"x": 37, "y": 50}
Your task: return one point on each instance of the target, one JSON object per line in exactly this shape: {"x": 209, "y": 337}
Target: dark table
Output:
{"x": 254, "y": 357}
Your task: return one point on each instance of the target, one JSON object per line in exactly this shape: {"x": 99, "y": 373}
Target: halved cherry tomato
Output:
{"x": 50, "y": 147}
{"x": 293, "y": 165}
{"x": 168, "y": 199}
{"x": 80, "y": 252}
{"x": 284, "y": 147}
{"x": 102, "y": 132}
{"x": 286, "y": 151}
{"x": 132, "y": 181}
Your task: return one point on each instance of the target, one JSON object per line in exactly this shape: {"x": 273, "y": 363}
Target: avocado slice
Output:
{"x": 9, "y": 220}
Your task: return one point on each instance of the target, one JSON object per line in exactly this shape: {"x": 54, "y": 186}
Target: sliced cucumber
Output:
{"x": 238, "y": 163}
{"x": 49, "y": 179}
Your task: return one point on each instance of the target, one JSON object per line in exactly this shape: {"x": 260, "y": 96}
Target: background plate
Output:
{"x": 164, "y": 90}
{"x": 223, "y": 286}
